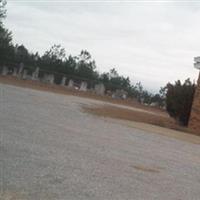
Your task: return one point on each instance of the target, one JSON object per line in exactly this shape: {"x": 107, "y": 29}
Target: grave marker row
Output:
{"x": 22, "y": 73}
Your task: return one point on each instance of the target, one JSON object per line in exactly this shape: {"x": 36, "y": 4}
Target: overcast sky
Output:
{"x": 150, "y": 41}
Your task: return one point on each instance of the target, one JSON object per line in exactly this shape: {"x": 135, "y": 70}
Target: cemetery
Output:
{"x": 76, "y": 83}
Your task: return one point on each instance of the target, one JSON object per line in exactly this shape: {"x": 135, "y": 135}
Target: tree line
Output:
{"x": 176, "y": 97}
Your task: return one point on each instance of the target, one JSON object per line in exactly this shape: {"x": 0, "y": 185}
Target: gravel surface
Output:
{"x": 50, "y": 149}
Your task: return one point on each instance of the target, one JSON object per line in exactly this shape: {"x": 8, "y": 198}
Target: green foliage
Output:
{"x": 2, "y": 10}
{"x": 157, "y": 98}
{"x": 85, "y": 66}
{"x": 6, "y": 48}
{"x": 113, "y": 81}
{"x": 55, "y": 54}
{"x": 179, "y": 98}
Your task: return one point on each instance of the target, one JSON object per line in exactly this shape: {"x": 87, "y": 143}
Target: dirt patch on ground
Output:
{"x": 131, "y": 115}
{"x": 148, "y": 122}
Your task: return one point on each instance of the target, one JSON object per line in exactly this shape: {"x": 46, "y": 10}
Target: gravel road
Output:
{"x": 51, "y": 150}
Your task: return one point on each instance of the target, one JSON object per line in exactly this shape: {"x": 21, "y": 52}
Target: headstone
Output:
{"x": 35, "y": 74}
{"x": 114, "y": 96}
{"x": 99, "y": 89}
{"x": 154, "y": 104}
{"x": 14, "y": 71}
{"x": 71, "y": 83}
{"x": 63, "y": 81}
{"x": 124, "y": 96}
{"x": 119, "y": 94}
{"x": 5, "y": 71}
{"x": 83, "y": 86}
{"x": 21, "y": 67}
{"x": 48, "y": 78}
{"x": 20, "y": 71}
{"x": 109, "y": 93}
{"x": 51, "y": 78}
{"x": 25, "y": 73}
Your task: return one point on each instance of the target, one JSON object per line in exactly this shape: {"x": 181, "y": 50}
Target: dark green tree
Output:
{"x": 53, "y": 59}
{"x": 56, "y": 53}
{"x": 157, "y": 98}
{"x": 85, "y": 65}
{"x": 2, "y": 10}
{"x": 70, "y": 65}
{"x": 6, "y": 47}
{"x": 179, "y": 98}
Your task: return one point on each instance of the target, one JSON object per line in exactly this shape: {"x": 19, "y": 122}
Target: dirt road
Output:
{"x": 52, "y": 150}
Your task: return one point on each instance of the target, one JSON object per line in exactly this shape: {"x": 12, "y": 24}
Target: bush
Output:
{"x": 179, "y": 98}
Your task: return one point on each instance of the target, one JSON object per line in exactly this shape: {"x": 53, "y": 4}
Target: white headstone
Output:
{"x": 36, "y": 74}
{"x": 25, "y": 73}
{"x": 5, "y": 71}
{"x": 14, "y": 71}
{"x": 48, "y": 78}
{"x": 71, "y": 83}
{"x": 21, "y": 67}
{"x": 124, "y": 96}
{"x": 20, "y": 71}
{"x": 51, "y": 78}
{"x": 120, "y": 94}
{"x": 99, "y": 89}
{"x": 63, "y": 81}
{"x": 83, "y": 86}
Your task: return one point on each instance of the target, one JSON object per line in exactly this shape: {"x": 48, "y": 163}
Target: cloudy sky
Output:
{"x": 150, "y": 41}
